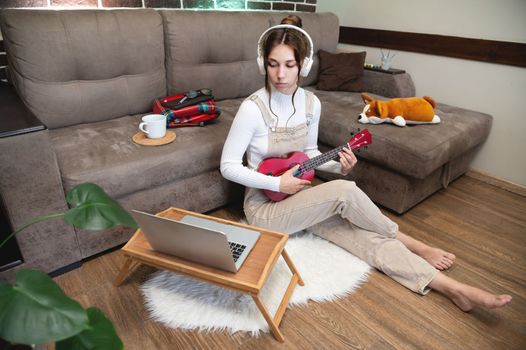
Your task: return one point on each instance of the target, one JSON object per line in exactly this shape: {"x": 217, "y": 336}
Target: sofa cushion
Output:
{"x": 104, "y": 153}
{"x": 414, "y": 151}
{"x": 224, "y": 59}
{"x": 80, "y": 66}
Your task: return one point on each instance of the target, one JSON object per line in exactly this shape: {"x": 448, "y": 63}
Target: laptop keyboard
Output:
{"x": 236, "y": 249}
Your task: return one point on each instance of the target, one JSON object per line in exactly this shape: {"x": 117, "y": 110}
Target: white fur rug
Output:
{"x": 329, "y": 272}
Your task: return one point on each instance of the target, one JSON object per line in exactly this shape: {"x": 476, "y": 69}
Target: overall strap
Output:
{"x": 264, "y": 111}
{"x": 309, "y": 106}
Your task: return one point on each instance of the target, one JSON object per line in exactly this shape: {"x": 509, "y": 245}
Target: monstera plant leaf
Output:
{"x": 93, "y": 209}
{"x": 100, "y": 335}
{"x": 35, "y": 310}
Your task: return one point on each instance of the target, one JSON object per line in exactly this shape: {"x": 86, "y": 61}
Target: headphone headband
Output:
{"x": 307, "y": 61}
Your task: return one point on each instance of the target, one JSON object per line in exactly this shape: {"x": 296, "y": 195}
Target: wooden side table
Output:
{"x": 249, "y": 279}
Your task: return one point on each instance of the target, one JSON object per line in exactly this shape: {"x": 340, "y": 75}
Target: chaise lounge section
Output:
{"x": 403, "y": 166}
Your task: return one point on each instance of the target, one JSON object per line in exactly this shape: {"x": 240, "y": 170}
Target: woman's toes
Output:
{"x": 450, "y": 256}
{"x": 441, "y": 266}
{"x": 447, "y": 262}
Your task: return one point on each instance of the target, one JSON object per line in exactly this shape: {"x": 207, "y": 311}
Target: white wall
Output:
{"x": 499, "y": 90}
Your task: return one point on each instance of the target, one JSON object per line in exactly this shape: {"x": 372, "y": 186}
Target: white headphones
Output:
{"x": 307, "y": 61}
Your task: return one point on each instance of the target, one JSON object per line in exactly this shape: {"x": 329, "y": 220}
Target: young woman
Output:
{"x": 281, "y": 118}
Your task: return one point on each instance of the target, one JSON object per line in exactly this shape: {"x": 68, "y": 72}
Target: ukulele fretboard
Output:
{"x": 315, "y": 162}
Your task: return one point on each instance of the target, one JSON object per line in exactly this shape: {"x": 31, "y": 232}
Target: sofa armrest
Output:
{"x": 31, "y": 186}
{"x": 388, "y": 85}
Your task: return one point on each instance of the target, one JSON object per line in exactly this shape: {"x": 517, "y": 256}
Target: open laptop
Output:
{"x": 198, "y": 239}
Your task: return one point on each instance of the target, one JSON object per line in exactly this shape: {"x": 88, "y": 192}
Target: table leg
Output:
{"x": 128, "y": 265}
{"x": 292, "y": 267}
{"x": 273, "y": 327}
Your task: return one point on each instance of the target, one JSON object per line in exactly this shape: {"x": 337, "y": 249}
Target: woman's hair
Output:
{"x": 292, "y": 20}
{"x": 290, "y": 37}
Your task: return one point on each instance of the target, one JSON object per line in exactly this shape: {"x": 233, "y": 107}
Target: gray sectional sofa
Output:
{"x": 89, "y": 75}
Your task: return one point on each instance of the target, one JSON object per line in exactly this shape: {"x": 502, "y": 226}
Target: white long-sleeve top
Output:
{"x": 249, "y": 134}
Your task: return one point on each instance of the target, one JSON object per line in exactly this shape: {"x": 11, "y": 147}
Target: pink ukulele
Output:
{"x": 277, "y": 166}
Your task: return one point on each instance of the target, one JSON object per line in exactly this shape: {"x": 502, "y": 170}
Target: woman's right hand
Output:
{"x": 290, "y": 184}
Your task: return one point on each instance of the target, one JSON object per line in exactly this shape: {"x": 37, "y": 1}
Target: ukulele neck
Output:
{"x": 315, "y": 162}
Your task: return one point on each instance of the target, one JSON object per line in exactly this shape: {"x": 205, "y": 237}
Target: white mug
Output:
{"x": 153, "y": 125}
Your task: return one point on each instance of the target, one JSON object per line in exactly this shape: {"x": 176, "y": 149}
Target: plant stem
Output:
{"x": 35, "y": 220}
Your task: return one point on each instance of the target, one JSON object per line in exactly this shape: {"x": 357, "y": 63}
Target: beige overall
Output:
{"x": 337, "y": 211}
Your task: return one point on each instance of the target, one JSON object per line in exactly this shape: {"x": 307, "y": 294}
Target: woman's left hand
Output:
{"x": 347, "y": 160}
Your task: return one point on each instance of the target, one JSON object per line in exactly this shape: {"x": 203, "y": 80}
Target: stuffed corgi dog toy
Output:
{"x": 399, "y": 111}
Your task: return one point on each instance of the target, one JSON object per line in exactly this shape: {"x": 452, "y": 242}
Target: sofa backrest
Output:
{"x": 78, "y": 66}
{"x": 218, "y": 49}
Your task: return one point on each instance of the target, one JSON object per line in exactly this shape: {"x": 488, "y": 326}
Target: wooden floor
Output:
{"x": 483, "y": 225}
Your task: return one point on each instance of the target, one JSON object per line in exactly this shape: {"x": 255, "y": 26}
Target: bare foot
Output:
{"x": 438, "y": 258}
{"x": 467, "y": 297}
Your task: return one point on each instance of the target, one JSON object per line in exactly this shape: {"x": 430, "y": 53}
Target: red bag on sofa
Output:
{"x": 190, "y": 108}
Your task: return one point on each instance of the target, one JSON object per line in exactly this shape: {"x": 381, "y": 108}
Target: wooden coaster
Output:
{"x": 141, "y": 139}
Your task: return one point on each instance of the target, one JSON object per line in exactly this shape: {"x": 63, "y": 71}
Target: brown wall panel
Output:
{"x": 491, "y": 51}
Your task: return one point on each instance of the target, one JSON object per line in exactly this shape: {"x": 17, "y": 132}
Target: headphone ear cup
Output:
{"x": 261, "y": 65}
{"x": 307, "y": 65}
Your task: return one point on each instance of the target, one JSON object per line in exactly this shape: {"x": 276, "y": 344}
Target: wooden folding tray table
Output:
{"x": 249, "y": 279}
